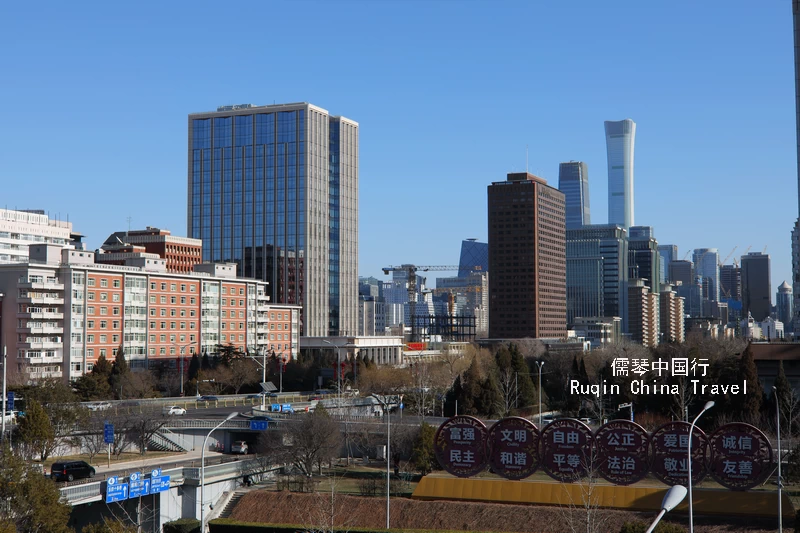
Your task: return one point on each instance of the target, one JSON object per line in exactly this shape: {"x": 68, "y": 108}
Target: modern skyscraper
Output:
{"x": 620, "y": 137}
{"x": 756, "y": 287}
{"x": 682, "y": 278}
{"x": 730, "y": 282}
{"x": 796, "y": 229}
{"x": 784, "y": 304}
{"x": 706, "y": 267}
{"x": 473, "y": 254}
{"x": 668, "y": 253}
{"x": 643, "y": 257}
{"x": 573, "y": 181}
{"x": 597, "y": 272}
{"x": 275, "y": 190}
{"x": 527, "y": 259}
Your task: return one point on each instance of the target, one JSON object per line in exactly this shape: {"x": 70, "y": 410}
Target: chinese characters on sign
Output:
{"x": 621, "y": 449}
{"x": 669, "y": 447}
{"x": 513, "y": 448}
{"x": 676, "y": 367}
{"x": 566, "y": 449}
{"x": 460, "y": 445}
{"x": 741, "y": 456}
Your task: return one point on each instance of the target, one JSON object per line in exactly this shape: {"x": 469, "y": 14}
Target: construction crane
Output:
{"x": 411, "y": 273}
{"x": 729, "y": 256}
{"x": 736, "y": 262}
{"x": 687, "y": 255}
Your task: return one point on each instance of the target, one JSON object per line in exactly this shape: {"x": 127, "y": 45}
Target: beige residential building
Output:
{"x": 643, "y": 316}
{"x": 671, "y": 307}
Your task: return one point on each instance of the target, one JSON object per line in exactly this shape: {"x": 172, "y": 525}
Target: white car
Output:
{"x": 239, "y": 446}
{"x": 174, "y": 410}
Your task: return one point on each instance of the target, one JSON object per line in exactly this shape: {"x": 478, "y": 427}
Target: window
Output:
{"x": 163, "y": 312}
{"x": 224, "y": 301}
{"x": 90, "y": 310}
{"x": 241, "y": 293}
{"x": 163, "y": 299}
{"x": 183, "y": 287}
{"x": 91, "y": 282}
{"x": 90, "y": 338}
{"x": 103, "y": 324}
{"x": 172, "y": 325}
{"x": 192, "y": 288}
{"x": 192, "y": 301}
{"x": 163, "y": 338}
{"x": 102, "y": 352}
{"x": 183, "y": 312}
{"x": 103, "y": 296}
{"x": 115, "y": 324}
{"x": 115, "y": 338}
{"x": 183, "y": 325}
{"x": 172, "y": 312}
{"x": 191, "y": 338}
{"x": 152, "y": 311}
{"x": 152, "y": 325}
{"x": 241, "y": 314}
{"x": 172, "y": 350}
{"x": 163, "y": 325}
{"x": 172, "y": 338}
{"x": 224, "y": 314}
{"x": 152, "y": 285}
{"x": 173, "y": 287}
{"x": 183, "y": 299}
{"x": 163, "y": 286}
{"x": 104, "y": 282}
{"x": 272, "y": 316}
{"x": 116, "y": 284}
{"x": 241, "y": 303}
{"x": 152, "y": 338}
{"x": 241, "y": 325}
{"x": 90, "y": 324}
{"x": 241, "y": 338}
{"x": 192, "y": 325}
{"x": 222, "y": 337}
{"x": 224, "y": 290}
{"x": 152, "y": 299}
{"x": 191, "y": 312}
{"x": 183, "y": 338}
{"x": 162, "y": 350}
{"x": 173, "y": 300}
{"x": 91, "y": 296}
{"x": 104, "y": 311}
{"x": 103, "y": 339}
{"x": 115, "y": 311}
{"x": 152, "y": 351}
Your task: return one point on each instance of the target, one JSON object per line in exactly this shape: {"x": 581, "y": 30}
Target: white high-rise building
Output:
{"x": 20, "y": 229}
{"x": 620, "y": 137}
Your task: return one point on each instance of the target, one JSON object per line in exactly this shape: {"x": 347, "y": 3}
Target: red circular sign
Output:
{"x": 513, "y": 448}
{"x": 460, "y": 445}
{"x": 669, "y": 450}
{"x": 621, "y": 447}
{"x": 741, "y": 456}
{"x": 566, "y": 449}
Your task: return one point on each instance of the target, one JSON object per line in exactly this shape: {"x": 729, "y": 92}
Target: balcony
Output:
{"x": 41, "y": 330}
{"x": 41, "y": 316}
{"x": 46, "y": 345}
{"x": 46, "y": 285}
{"x": 262, "y": 307}
{"x": 45, "y": 360}
{"x": 42, "y": 300}
{"x": 44, "y": 375}
{"x": 262, "y": 297}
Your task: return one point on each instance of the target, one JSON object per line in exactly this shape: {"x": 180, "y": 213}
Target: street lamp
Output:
{"x": 539, "y": 365}
{"x": 780, "y": 479}
{"x": 708, "y": 406}
{"x": 203, "y": 472}
{"x": 385, "y": 405}
{"x": 180, "y": 352}
{"x": 263, "y": 364}
{"x": 672, "y": 498}
{"x": 338, "y": 369}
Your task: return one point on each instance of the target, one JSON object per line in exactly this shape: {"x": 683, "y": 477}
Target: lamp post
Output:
{"x": 708, "y": 406}
{"x": 672, "y": 498}
{"x": 203, "y": 472}
{"x": 780, "y": 479}
{"x": 539, "y": 365}
{"x": 263, "y": 364}
{"x": 180, "y": 352}
{"x": 388, "y": 452}
{"x": 5, "y": 396}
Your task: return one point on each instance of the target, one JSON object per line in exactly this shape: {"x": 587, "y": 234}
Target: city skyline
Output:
{"x": 138, "y": 93}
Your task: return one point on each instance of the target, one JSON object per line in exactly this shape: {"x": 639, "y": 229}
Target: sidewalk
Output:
{"x": 100, "y": 463}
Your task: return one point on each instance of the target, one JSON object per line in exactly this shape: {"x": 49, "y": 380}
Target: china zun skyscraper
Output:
{"x": 620, "y": 137}
{"x": 274, "y": 189}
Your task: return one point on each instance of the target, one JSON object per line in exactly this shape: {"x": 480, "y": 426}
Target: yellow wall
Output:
{"x": 706, "y": 501}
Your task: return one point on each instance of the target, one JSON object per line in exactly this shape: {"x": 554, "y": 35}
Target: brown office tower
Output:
{"x": 527, "y": 259}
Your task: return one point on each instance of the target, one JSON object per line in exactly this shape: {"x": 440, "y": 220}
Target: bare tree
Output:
{"x": 91, "y": 439}
{"x": 684, "y": 397}
{"x": 327, "y": 513}
{"x": 306, "y": 443}
{"x": 508, "y": 390}
{"x": 242, "y": 372}
{"x": 585, "y": 515}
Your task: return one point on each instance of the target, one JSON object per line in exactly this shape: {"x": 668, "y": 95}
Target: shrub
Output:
{"x": 184, "y": 525}
{"x": 368, "y": 486}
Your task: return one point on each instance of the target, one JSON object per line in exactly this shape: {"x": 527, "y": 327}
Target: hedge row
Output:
{"x": 184, "y": 525}
{"x": 226, "y": 525}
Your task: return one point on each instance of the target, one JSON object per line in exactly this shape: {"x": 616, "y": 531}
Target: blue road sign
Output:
{"x": 259, "y": 425}
{"x": 275, "y": 408}
{"x": 140, "y": 487}
{"x": 116, "y": 492}
{"x": 286, "y": 408}
{"x": 10, "y": 403}
{"x": 159, "y": 484}
{"x": 401, "y": 406}
{"x": 108, "y": 433}
{"x": 156, "y": 472}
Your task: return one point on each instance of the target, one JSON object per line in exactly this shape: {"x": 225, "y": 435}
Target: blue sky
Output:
{"x": 448, "y": 95}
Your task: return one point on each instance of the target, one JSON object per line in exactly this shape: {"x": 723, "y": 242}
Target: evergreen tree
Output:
{"x": 194, "y": 367}
{"x": 36, "y": 431}
{"x": 584, "y": 376}
{"x": 102, "y": 367}
{"x": 527, "y": 391}
{"x": 118, "y": 372}
{"x": 750, "y": 403}
{"x": 575, "y": 373}
{"x": 471, "y": 386}
{"x": 490, "y": 397}
{"x": 782, "y": 398}
{"x": 423, "y": 457}
{"x": 205, "y": 362}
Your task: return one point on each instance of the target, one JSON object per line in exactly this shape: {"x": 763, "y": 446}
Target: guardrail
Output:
{"x": 93, "y": 491}
{"x": 205, "y": 423}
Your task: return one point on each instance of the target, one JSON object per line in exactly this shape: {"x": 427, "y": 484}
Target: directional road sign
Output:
{"x": 156, "y": 472}
{"x": 108, "y": 433}
{"x": 159, "y": 484}
{"x": 141, "y": 487}
{"x": 115, "y": 491}
{"x": 259, "y": 425}
{"x": 10, "y": 404}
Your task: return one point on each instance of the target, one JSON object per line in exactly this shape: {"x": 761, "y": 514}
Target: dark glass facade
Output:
{"x": 474, "y": 257}
{"x": 573, "y": 181}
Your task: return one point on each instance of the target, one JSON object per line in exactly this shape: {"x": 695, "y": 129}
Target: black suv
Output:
{"x": 71, "y": 470}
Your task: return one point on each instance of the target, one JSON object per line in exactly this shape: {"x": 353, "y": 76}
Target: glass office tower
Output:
{"x": 573, "y": 181}
{"x": 474, "y": 257}
{"x": 274, "y": 189}
{"x": 620, "y": 138}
